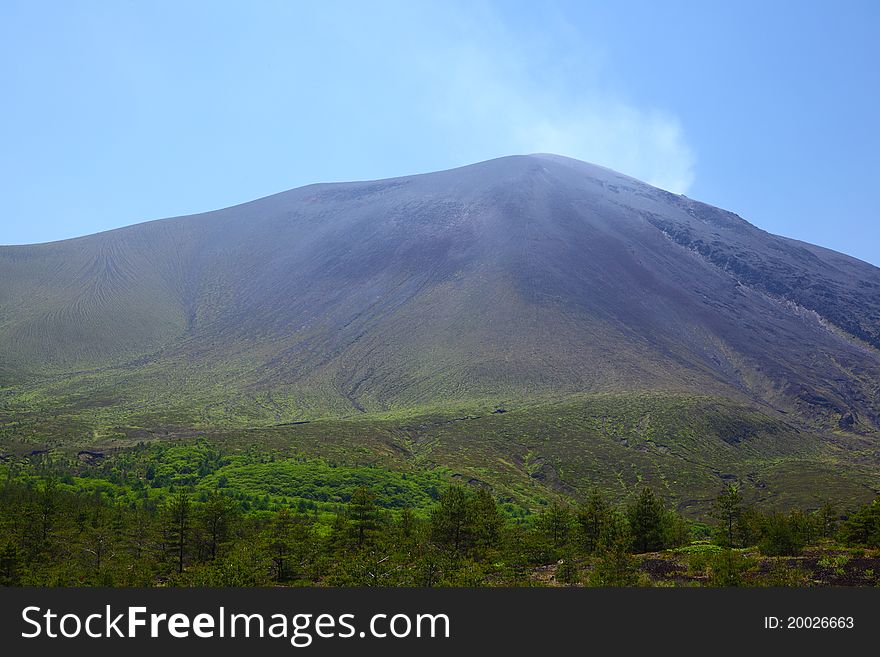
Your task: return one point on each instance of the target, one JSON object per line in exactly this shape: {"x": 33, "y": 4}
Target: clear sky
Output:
{"x": 117, "y": 112}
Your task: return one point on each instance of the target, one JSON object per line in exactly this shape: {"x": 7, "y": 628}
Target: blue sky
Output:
{"x": 120, "y": 112}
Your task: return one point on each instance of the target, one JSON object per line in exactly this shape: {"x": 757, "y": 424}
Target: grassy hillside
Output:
{"x": 686, "y": 447}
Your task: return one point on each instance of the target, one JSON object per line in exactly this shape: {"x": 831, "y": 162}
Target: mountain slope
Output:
{"x": 520, "y": 278}
{"x": 534, "y": 323}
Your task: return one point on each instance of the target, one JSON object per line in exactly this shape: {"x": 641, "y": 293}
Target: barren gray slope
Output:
{"x": 517, "y": 278}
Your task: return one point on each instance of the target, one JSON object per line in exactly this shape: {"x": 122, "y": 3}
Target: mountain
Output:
{"x": 526, "y": 282}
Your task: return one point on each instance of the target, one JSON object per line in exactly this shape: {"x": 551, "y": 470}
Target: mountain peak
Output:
{"x": 520, "y": 277}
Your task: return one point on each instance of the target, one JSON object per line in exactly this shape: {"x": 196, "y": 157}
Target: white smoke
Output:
{"x": 522, "y": 96}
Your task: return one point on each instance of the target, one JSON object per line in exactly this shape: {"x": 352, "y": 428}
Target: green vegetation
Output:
{"x": 190, "y": 515}
{"x": 255, "y": 479}
{"x": 682, "y": 446}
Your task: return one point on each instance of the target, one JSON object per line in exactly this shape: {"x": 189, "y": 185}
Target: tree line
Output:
{"x": 55, "y": 537}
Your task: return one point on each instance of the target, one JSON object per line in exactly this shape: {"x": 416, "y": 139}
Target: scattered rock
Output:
{"x": 87, "y": 456}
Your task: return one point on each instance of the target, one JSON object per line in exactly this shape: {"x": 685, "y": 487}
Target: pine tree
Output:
{"x": 486, "y": 523}
{"x": 591, "y": 519}
{"x": 779, "y": 536}
{"x": 555, "y": 524}
{"x": 727, "y": 509}
{"x": 363, "y": 516}
{"x": 215, "y": 517}
{"x": 828, "y": 519}
{"x": 179, "y": 510}
{"x": 450, "y": 520}
{"x": 406, "y": 523}
{"x": 10, "y": 563}
{"x": 280, "y": 541}
{"x": 99, "y": 544}
{"x": 645, "y": 518}
{"x": 613, "y": 564}
{"x": 863, "y": 527}
{"x": 47, "y": 509}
